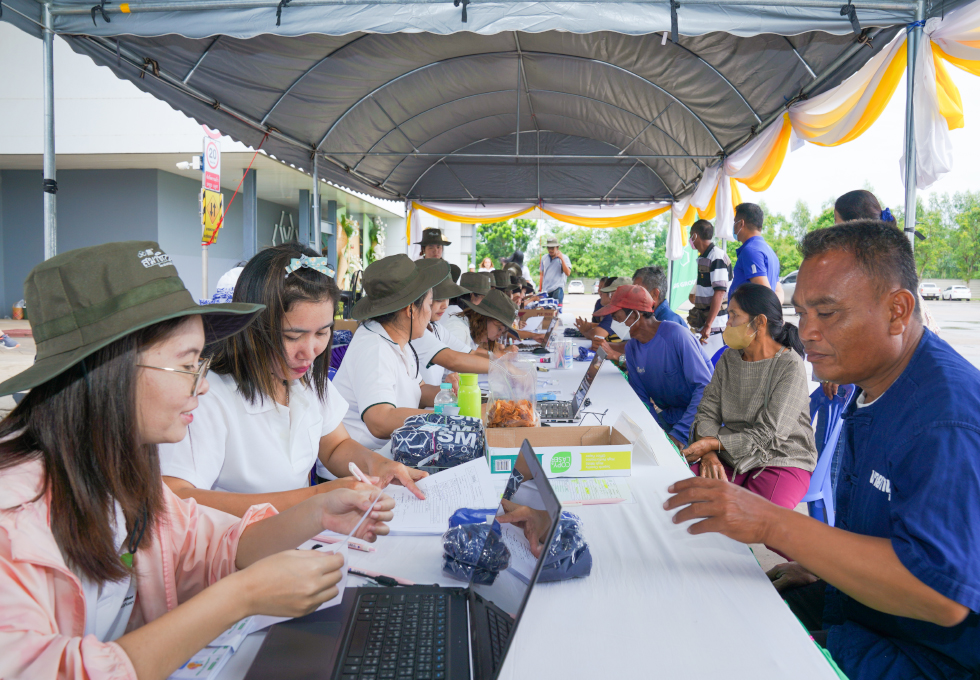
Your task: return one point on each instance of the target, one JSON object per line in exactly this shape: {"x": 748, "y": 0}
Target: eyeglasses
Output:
{"x": 199, "y": 374}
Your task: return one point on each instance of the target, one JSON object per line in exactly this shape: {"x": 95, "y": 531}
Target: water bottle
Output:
{"x": 469, "y": 395}
{"x": 445, "y": 397}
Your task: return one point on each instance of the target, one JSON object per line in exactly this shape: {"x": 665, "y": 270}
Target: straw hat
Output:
{"x": 86, "y": 299}
{"x": 394, "y": 282}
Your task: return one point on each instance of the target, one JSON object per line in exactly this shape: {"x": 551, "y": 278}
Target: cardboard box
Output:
{"x": 529, "y": 313}
{"x": 345, "y": 325}
{"x": 597, "y": 451}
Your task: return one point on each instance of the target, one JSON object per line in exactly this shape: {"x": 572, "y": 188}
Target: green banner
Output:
{"x": 683, "y": 274}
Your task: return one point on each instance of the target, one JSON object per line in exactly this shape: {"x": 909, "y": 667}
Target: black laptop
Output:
{"x": 414, "y": 632}
{"x": 531, "y": 345}
{"x": 568, "y": 411}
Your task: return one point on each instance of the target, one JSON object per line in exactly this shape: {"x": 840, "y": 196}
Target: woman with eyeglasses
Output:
{"x": 104, "y": 572}
{"x": 272, "y": 414}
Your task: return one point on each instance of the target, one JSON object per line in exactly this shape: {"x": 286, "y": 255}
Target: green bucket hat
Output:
{"x": 446, "y": 289}
{"x": 86, "y": 299}
{"x": 476, "y": 282}
{"x": 498, "y": 307}
{"x": 394, "y": 282}
{"x": 501, "y": 280}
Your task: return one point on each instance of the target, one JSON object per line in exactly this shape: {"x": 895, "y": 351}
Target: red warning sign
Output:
{"x": 212, "y": 165}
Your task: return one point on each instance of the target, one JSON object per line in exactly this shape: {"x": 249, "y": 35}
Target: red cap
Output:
{"x": 627, "y": 297}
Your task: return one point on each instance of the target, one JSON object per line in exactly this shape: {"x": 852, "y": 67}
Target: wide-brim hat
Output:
{"x": 552, "y": 243}
{"x": 498, "y": 307}
{"x": 432, "y": 237}
{"x": 445, "y": 289}
{"x": 476, "y": 282}
{"x": 627, "y": 297}
{"x": 454, "y": 272}
{"x": 395, "y": 282}
{"x": 86, "y": 299}
{"x": 616, "y": 283}
{"x": 502, "y": 280}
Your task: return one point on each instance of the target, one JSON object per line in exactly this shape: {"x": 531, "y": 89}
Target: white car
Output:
{"x": 789, "y": 287}
{"x": 929, "y": 291}
{"x": 595, "y": 287}
{"x": 957, "y": 293}
{"x": 576, "y": 286}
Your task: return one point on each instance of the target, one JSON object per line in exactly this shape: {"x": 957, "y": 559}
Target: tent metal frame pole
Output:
{"x": 219, "y": 5}
{"x": 316, "y": 241}
{"x": 420, "y": 154}
{"x": 912, "y": 45}
{"x": 50, "y": 184}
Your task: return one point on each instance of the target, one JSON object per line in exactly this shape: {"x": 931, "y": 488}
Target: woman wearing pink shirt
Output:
{"x": 104, "y": 573}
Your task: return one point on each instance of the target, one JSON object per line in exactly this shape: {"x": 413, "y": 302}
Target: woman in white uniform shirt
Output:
{"x": 476, "y": 285}
{"x": 491, "y": 320}
{"x": 381, "y": 374}
{"x": 271, "y": 412}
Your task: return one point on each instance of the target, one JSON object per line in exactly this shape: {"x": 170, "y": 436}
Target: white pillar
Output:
{"x": 50, "y": 176}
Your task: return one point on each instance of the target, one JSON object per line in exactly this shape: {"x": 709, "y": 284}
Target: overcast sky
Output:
{"x": 816, "y": 174}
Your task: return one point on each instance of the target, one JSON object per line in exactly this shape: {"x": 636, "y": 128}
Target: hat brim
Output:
{"x": 428, "y": 277}
{"x": 220, "y": 321}
{"x": 607, "y": 310}
{"x": 433, "y": 243}
{"x": 490, "y": 314}
{"x": 483, "y": 291}
{"x": 447, "y": 290}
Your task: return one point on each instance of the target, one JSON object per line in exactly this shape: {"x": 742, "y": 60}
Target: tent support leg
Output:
{"x": 912, "y": 45}
{"x": 50, "y": 183}
{"x": 316, "y": 242}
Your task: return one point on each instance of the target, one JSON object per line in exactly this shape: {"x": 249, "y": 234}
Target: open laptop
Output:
{"x": 531, "y": 345}
{"x": 417, "y": 632}
{"x": 567, "y": 411}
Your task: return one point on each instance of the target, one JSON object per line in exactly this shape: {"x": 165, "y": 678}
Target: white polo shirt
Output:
{"x": 374, "y": 371}
{"x": 428, "y": 348}
{"x": 459, "y": 326}
{"x": 265, "y": 447}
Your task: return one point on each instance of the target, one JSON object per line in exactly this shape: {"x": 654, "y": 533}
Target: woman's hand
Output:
{"x": 342, "y": 509}
{"x": 535, "y": 523}
{"x": 790, "y": 575}
{"x": 290, "y": 583}
{"x": 452, "y": 379}
{"x": 694, "y": 452}
{"x": 388, "y": 472}
{"x": 711, "y": 467}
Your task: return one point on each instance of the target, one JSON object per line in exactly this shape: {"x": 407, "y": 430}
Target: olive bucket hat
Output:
{"x": 86, "y": 299}
{"x": 393, "y": 283}
{"x": 498, "y": 307}
{"x": 502, "y": 281}
{"x": 445, "y": 289}
{"x": 476, "y": 282}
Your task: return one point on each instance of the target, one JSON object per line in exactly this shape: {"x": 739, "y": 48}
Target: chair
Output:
{"x": 827, "y": 416}
{"x": 349, "y": 297}
{"x": 717, "y": 356}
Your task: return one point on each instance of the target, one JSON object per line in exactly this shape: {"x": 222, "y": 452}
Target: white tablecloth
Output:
{"x": 658, "y": 603}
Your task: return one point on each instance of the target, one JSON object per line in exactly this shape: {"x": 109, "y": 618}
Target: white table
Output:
{"x": 658, "y": 603}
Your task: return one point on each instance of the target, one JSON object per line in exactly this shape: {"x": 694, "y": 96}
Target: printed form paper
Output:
{"x": 586, "y": 490}
{"x": 469, "y": 485}
{"x": 522, "y": 561}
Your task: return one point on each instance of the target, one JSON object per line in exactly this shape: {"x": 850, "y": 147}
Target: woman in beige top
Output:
{"x": 753, "y": 424}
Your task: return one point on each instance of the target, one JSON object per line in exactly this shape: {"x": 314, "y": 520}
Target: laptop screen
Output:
{"x": 586, "y": 384}
{"x": 528, "y": 492}
{"x": 547, "y": 336}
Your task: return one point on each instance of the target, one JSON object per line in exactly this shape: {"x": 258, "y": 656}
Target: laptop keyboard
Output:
{"x": 500, "y": 627}
{"x": 398, "y": 636}
{"x": 555, "y": 409}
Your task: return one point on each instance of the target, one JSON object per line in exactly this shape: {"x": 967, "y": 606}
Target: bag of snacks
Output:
{"x": 513, "y": 386}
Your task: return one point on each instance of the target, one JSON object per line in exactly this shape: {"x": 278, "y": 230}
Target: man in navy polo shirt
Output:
{"x": 757, "y": 261}
{"x": 902, "y": 564}
{"x": 654, "y": 279}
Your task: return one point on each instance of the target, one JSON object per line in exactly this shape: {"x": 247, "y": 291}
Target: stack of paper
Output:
{"x": 469, "y": 485}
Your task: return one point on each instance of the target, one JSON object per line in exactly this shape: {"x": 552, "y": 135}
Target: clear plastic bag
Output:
{"x": 438, "y": 441}
{"x": 569, "y": 555}
{"x": 474, "y": 551}
{"x": 513, "y": 386}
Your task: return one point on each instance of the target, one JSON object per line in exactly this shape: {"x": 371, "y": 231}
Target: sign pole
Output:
{"x": 204, "y": 272}
{"x": 211, "y": 201}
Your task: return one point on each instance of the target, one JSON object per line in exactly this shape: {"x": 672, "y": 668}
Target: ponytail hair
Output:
{"x": 758, "y": 300}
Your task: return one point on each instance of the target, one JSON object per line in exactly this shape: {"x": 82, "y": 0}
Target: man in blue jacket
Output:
{"x": 902, "y": 564}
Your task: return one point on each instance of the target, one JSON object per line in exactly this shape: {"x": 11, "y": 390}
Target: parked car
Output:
{"x": 957, "y": 293}
{"x": 929, "y": 291}
{"x": 595, "y": 287}
{"x": 576, "y": 286}
{"x": 789, "y": 287}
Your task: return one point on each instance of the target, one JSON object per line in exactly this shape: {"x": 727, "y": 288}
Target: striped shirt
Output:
{"x": 714, "y": 273}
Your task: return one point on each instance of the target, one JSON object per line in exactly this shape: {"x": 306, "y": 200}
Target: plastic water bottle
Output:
{"x": 469, "y": 395}
{"x": 445, "y": 397}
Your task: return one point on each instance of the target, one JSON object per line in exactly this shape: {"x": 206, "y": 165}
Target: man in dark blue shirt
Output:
{"x": 655, "y": 281}
{"x": 902, "y": 565}
{"x": 757, "y": 261}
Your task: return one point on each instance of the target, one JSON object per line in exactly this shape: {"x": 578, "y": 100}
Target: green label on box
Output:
{"x": 605, "y": 460}
{"x": 561, "y": 462}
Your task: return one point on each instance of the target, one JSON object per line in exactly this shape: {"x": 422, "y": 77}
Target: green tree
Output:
{"x": 612, "y": 252}
{"x": 965, "y": 240}
{"x": 498, "y": 240}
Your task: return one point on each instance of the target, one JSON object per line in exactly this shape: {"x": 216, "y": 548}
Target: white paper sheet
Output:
{"x": 207, "y": 663}
{"x": 522, "y": 561}
{"x": 469, "y": 485}
{"x": 573, "y": 491}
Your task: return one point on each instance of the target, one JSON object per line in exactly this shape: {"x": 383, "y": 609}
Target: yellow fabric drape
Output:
{"x": 965, "y": 64}
{"x": 449, "y": 217}
{"x": 736, "y": 194}
{"x": 764, "y": 176}
{"x": 606, "y": 222}
{"x": 950, "y": 102}
{"x": 689, "y": 218}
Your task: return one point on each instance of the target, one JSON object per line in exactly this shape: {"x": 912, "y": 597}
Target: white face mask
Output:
{"x": 622, "y": 329}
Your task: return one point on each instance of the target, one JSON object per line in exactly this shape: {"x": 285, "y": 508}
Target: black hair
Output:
{"x": 752, "y": 214}
{"x": 517, "y": 257}
{"x": 703, "y": 229}
{"x": 882, "y": 252}
{"x": 758, "y": 300}
{"x": 858, "y": 205}
{"x": 652, "y": 278}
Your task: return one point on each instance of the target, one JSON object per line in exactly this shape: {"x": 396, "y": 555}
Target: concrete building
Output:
{"x": 118, "y": 178}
